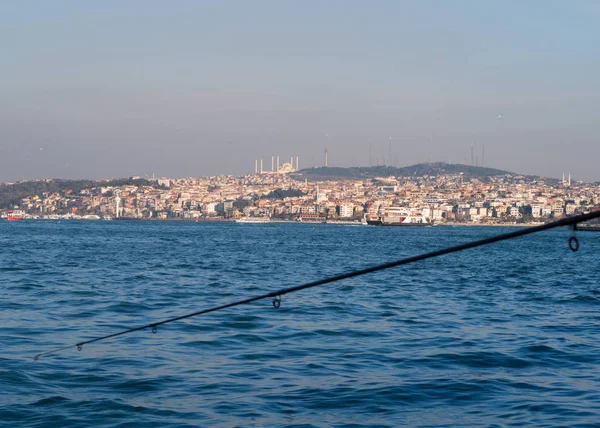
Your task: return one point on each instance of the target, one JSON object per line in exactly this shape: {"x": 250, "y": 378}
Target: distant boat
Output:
{"x": 397, "y": 216}
{"x": 398, "y": 221}
{"x": 15, "y": 215}
{"x": 253, "y": 220}
{"x": 91, "y": 217}
{"x": 344, "y": 222}
{"x": 588, "y": 228}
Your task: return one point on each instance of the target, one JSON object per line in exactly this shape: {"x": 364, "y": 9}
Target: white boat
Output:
{"x": 15, "y": 215}
{"x": 344, "y": 222}
{"x": 398, "y": 216}
{"x": 253, "y": 220}
{"x": 91, "y": 217}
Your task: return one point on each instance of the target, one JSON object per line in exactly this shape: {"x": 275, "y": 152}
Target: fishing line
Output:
{"x": 276, "y": 295}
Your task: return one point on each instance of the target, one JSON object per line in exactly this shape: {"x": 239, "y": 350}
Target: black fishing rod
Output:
{"x": 276, "y": 295}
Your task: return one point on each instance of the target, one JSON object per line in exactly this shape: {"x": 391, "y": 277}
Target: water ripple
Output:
{"x": 504, "y": 335}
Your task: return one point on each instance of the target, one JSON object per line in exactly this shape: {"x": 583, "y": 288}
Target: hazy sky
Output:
{"x": 191, "y": 88}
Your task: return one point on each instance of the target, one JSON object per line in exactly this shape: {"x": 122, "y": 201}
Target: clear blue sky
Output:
{"x": 189, "y": 88}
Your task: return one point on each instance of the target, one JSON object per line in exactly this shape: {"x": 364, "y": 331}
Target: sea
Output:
{"x": 502, "y": 335}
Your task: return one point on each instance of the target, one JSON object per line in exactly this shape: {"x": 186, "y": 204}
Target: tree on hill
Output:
{"x": 282, "y": 194}
{"x": 360, "y": 173}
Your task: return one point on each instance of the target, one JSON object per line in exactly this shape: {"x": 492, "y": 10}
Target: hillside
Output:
{"x": 11, "y": 194}
{"x": 358, "y": 173}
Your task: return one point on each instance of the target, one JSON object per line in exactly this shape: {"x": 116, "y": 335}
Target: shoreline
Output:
{"x": 231, "y": 220}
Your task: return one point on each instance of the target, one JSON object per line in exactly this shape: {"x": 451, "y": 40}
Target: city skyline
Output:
{"x": 281, "y": 166}
{"x": 453, "y": 196}
{"x": 142, "y": 88}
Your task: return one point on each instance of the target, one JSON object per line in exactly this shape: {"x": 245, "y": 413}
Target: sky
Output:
{"x": 194, "y": 88}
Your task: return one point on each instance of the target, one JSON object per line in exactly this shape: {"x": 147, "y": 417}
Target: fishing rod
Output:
{"x": 276, "y": 295}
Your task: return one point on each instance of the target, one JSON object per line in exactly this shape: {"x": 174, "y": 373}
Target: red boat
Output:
{"x": 15, "y": 215}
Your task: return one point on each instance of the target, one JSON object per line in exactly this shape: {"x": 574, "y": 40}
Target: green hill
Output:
{"x": 359, "y": 173}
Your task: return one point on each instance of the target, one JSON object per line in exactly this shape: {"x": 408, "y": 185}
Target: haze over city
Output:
{"x": 115, "y": 89}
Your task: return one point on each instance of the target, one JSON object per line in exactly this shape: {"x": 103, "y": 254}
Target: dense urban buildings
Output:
{"x": 450, "y": 198}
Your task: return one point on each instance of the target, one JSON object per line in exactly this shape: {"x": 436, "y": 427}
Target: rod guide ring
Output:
{"x": 573, "y": 244}
{"x": 277, "y": 302}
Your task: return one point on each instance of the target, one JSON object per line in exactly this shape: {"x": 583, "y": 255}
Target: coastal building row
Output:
{"x": 451, "y": 198}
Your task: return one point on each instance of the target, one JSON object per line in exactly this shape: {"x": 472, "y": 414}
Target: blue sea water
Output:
{"x": 503, "y": 335}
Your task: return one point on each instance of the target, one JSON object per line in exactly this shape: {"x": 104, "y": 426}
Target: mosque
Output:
{"x": 278, "y": 168}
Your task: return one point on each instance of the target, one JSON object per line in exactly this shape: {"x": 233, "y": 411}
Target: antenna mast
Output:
{"x": 326, "y": 153}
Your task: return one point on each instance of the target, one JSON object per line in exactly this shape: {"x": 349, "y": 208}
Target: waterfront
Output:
{"x": 441, "y": 196}
{"x": 504, "y": 334}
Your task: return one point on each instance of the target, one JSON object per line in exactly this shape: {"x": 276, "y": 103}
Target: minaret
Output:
{"x": 272, "y": 163}
{"x": 117, "y": 201}
{"x": 569, "y": 179}
{"x": 277, "y": 163}
{"x": 297, "y": 167}
{"x": 261, "y": 164}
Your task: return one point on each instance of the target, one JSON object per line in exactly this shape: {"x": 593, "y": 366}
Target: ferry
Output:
{"x": 253, "y": 220}
{"x": 398, "y": 216}
{"x": 399, "y": 221}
